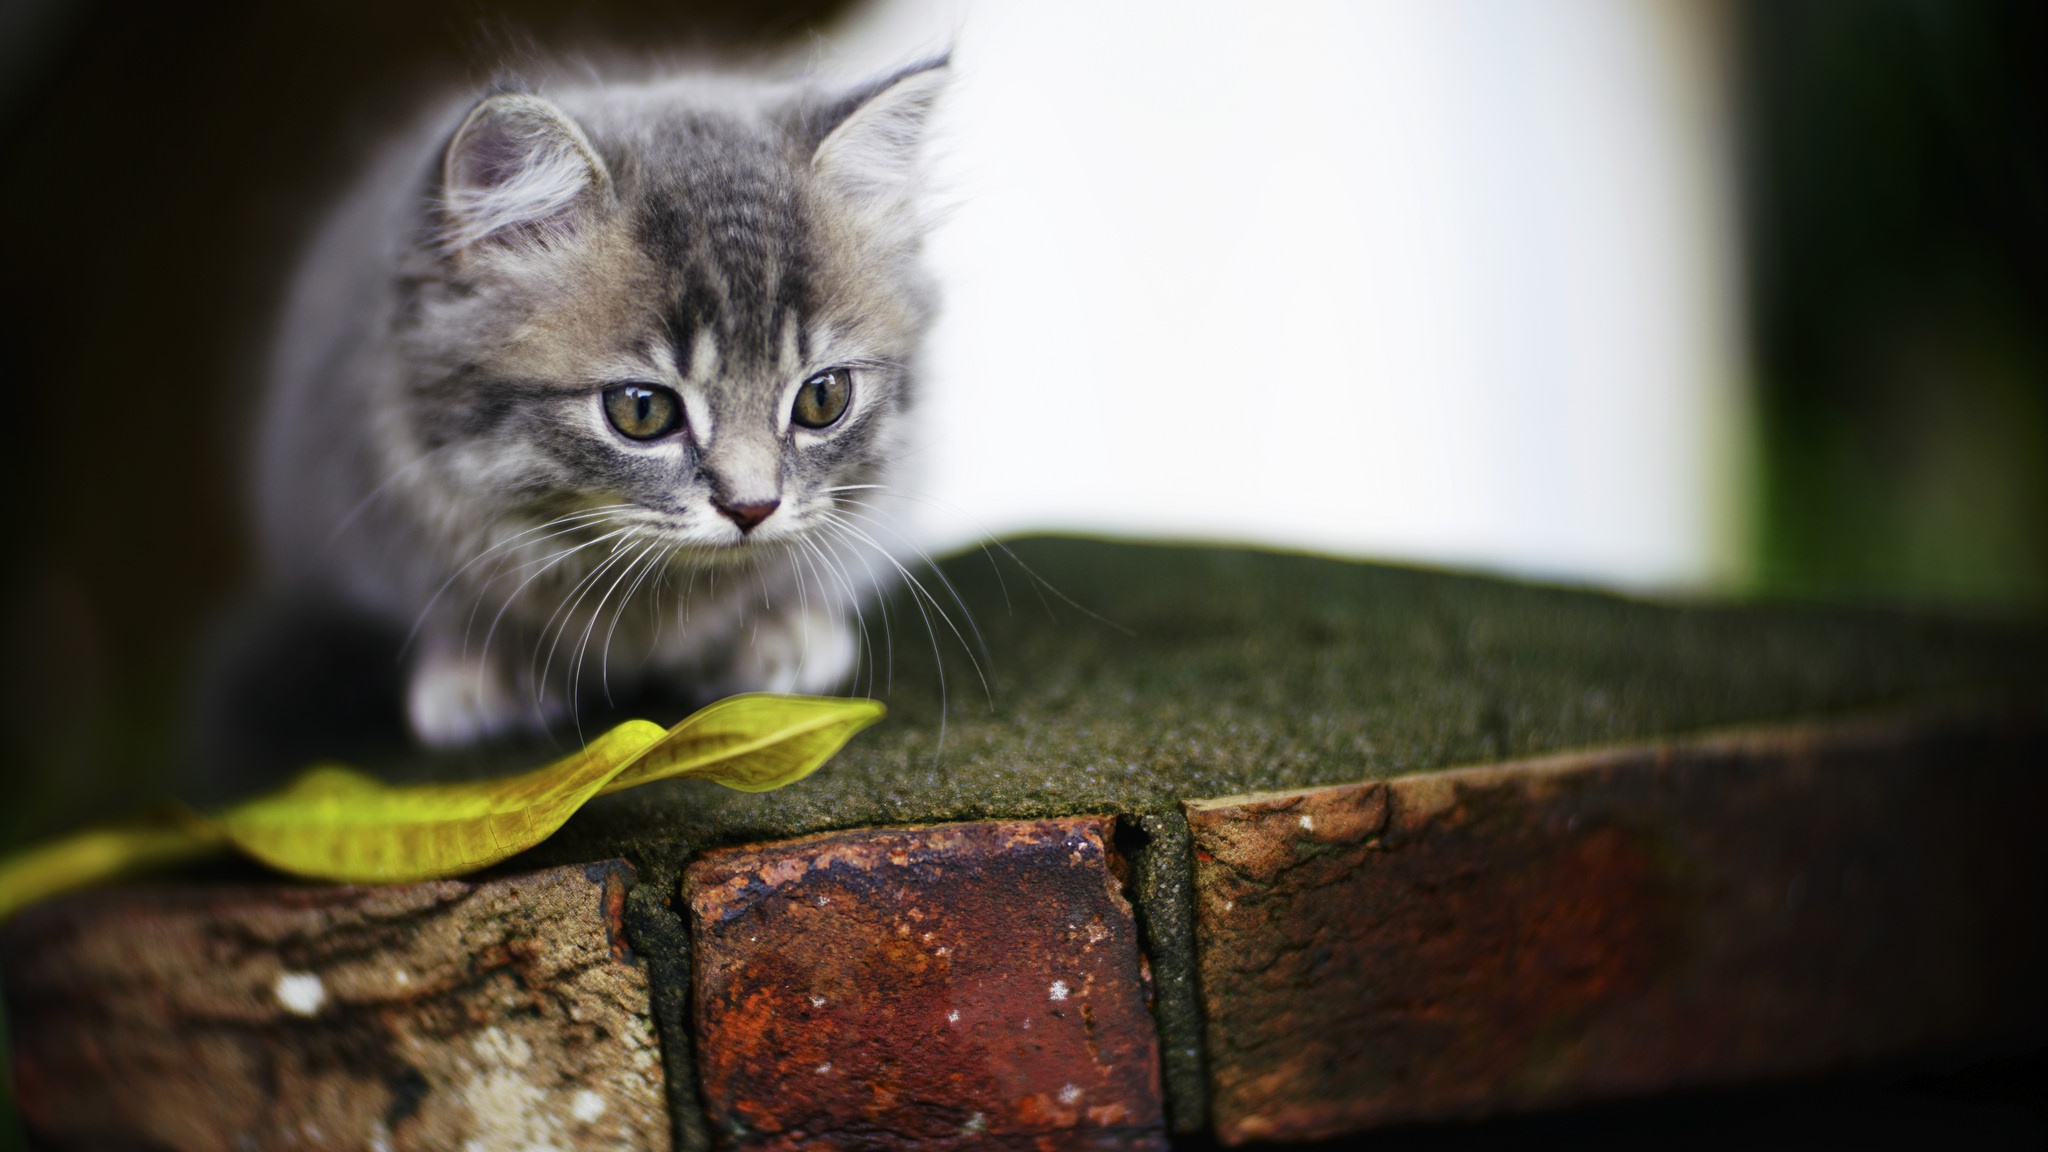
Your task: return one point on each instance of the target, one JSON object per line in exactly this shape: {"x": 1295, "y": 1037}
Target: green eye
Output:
{"x": 642, "y": 411}
{"x": 823, "y": 398}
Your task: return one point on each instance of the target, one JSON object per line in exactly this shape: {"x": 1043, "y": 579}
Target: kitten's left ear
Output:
{"x": 868, "y": 140}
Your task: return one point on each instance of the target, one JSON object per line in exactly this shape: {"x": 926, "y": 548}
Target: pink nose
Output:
{"x": 746, "y": 515}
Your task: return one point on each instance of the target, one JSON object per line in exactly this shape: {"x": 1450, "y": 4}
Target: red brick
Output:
{"x": 962, "y": 985}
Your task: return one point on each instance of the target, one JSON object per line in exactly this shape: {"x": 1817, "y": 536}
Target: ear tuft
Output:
{"x": 873, "y": 134}
{"x": 517, "y": 174}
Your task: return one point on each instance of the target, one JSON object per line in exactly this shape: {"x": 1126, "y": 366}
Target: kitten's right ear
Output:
{"x": 518, "y": 174}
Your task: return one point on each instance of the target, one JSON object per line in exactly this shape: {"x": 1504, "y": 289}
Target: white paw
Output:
{"x": 807, "y": 652}
{"x": 453, "y": 701}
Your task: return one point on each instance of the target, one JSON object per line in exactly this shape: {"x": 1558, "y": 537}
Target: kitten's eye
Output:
{"x": 642, "y": 411}
{"x": 823, "y": 398}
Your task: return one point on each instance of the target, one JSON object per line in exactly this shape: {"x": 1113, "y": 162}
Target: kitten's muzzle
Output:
{"x": 746, "y": 515}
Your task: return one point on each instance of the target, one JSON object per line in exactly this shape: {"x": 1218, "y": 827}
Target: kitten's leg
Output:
{"x": 455, "y": 699}
{"x": 803, "y": 650}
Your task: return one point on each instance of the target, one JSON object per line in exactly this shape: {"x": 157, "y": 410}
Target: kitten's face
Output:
{"x": 703, "y": 349}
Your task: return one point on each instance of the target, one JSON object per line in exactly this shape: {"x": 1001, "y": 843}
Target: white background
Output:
{"x": 1438, "y": 280}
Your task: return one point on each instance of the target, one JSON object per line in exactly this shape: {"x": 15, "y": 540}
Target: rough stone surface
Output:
{"x": 1533, "y": 933}
{"x": 1214, "y": 671}
{"x": 507, "y": 1013}
{"x": 966, "y": 985}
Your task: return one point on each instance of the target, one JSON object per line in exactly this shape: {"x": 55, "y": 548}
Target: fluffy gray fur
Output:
{"x": 436, "y": 448}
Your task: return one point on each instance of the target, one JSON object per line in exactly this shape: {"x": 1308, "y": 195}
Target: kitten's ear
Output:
{"x": 518, "y": 174}
{"x": 870, "y": 136}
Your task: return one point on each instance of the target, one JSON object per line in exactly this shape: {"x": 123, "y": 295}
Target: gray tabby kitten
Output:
{"x": 597, "y": 383}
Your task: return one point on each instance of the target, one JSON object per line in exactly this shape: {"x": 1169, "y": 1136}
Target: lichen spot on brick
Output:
{"x": 587, "y": 1106}
{"x": 497, "y": 1048}
{"x": 975, "y": 1126}
{"x": 1059, "y": 990}
{"x": 953, "y": 1017}
{"x": 1069, "y": 1094}
{"x": 817, "y": 1001}
{"x": 301, "y": 993}
{"x": 1307, "y": 825}
{"x": 506, "y": 1108}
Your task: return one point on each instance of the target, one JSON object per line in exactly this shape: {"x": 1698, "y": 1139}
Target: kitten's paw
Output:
{"x": 454, "y": 701}
{"x": 807, "y": 652}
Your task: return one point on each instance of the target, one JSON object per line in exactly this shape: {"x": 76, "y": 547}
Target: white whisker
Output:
{"x": 944, "y": 582}
{"x": 566, "y": 611}
{"x": 881, "y": 602}
{"x": 918, "y": 599}
{"x": 383, "y": 487}
{"x": 573, "y": 521}
{"x": 655, "y": 565}
{"x": 814, "y": 556}
{"x": 583, "y": 645}
{"x": 548, "y": 564}
{"x": 1039, "y": 584}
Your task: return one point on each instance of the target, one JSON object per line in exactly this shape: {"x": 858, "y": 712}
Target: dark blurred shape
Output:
{"x": 163, "y": 163}
{"x": 1897, "y": 173}
{"x": 281, "y": 685}
{"x": 56, "y": 695}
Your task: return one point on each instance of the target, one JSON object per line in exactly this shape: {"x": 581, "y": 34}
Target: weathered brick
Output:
{"x": 961, "y": 985}
{"x": 508, "y": 1013}
{"x": 1533, "y": 933}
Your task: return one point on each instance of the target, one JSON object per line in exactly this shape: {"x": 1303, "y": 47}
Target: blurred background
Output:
{"x": 1739, "y": 298}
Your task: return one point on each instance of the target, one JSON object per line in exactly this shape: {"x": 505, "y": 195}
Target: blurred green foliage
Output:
{"x": 1896, "y": 172}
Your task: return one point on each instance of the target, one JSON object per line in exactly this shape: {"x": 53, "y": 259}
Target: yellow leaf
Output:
{"x": 753, "y": 743}
{"x": 335, "y": 823}
{"x": 101, "y": 854}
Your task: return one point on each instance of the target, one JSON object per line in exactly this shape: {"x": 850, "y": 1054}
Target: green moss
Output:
{"x": 662, "y": 940}
{"x": 1162, "y": 890}
{"x": 1208, "y": 671}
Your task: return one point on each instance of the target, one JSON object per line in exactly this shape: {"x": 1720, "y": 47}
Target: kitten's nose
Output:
{"x": 746, "y": 515}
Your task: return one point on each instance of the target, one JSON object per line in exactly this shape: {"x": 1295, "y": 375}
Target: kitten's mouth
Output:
{"x": 732, "y": 553}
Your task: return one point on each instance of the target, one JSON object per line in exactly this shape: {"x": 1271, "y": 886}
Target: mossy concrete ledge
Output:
{"x": 1356, "y": 845}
